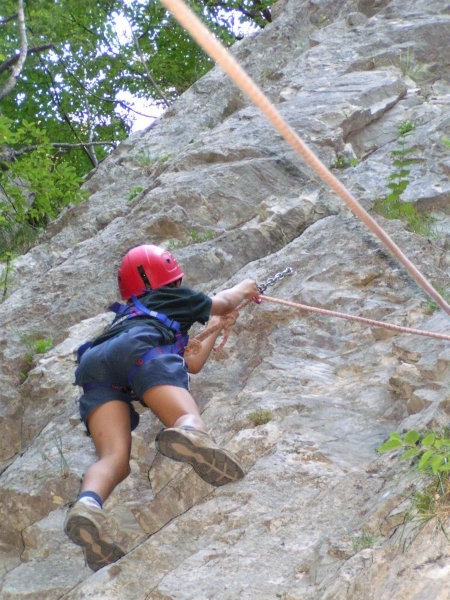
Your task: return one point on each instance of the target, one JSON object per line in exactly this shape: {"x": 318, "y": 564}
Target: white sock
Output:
{"x": 92, "y": 502}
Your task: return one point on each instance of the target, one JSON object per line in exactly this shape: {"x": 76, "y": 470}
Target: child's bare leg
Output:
{"x": 109, "y": 426}
{"x": 174, "y": 406}
{"x": 85, "y": 524}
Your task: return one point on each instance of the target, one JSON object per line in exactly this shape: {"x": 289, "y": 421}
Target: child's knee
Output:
{"x": 120, "y": 468}
{"x": 125, "y": 471}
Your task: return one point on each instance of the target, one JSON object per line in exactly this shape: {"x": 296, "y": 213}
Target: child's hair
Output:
{"x": 173, "y": 283}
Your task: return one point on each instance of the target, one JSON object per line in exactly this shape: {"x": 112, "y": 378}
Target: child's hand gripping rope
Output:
{"x": 226, "y": 322}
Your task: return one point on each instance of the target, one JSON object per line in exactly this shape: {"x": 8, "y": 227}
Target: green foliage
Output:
{"x": 431, "y": 450}
{"x": 405, "y": 127}
{"x": 34, "y": 186}
{"x": 134, "y": 192}
{"x": 41, "y": 346}
{"x": 196, "y": 237}
{"x": 431, "y": 306}
{"x": 85, "y": 56}
{"x": 362, "y": 541}
{"x": 175, "y": 245}
{"x": 411, "y": 67}
{"x": 66, "y": 110}
{"x": 35, "y": 345}
{"x": 5, "y": 274}
{"x": 445, "y": 141}
{"x": 392, "y": 206}
{"x": 234, "y": 12}
{"x": 431, "y": 453}
{"x": 343, "y": 162}
{"x": 144, "y": 158}
{"x": 260, "y": 417}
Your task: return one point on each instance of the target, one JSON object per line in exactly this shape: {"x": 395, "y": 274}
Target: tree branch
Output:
{"x": 13, "y": 60}
{"x": 9, "y": 155}
{"x": 252, "y": 13}
{"x": 91, "y": 94}
{"x": 8, "y": 19}
{"x": 62, "y": 145}
{"x": 17, "y": 69}
{"x": 65, "y": 116}
{"x": 143, "y": 61}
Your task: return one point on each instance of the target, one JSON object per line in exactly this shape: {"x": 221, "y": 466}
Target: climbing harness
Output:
{"x": 223, "y": 57}
{"x": 137, "y": 309}
{"x": 132, "y": 311}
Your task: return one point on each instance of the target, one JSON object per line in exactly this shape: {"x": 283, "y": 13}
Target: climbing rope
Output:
{"x": 371, "y": 322}
{"x": 228, "y": 321}
{"x": 222, "y": 56}
{"x": 225, "y": 324}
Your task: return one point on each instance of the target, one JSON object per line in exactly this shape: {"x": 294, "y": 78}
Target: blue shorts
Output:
{"x": 113, "y": 370}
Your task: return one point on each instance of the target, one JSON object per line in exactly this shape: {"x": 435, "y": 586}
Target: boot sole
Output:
{"x": 214, "y": 465}
{"x": 98, "y": 552}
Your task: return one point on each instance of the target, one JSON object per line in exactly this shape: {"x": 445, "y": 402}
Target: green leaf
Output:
{"x": 411, "y": 437}
{"x": 393, "y": 442}
{"x": 403, "y": 152}
{"x": 405, "y": 127}
{"x": 411, "y": 452}
{"x": 428, "y": 440}
{"x": 425, "y": 459}
{"x": 442, "y": 443}
{"x": 435, "y": 463}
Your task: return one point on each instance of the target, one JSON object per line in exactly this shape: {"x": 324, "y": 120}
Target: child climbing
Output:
{"x": 141, "y": 356}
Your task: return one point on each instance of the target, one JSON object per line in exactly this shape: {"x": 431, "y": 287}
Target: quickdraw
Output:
{"x": 262, "y": 287}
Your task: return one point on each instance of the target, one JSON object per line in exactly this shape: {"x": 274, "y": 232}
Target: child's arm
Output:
{"x": 227, "y": 300}
{"x": 223, "y": 303}
{"x": 200, "y": 355}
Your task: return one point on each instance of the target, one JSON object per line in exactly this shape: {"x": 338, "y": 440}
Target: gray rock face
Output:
{"x": 319, "y": 514}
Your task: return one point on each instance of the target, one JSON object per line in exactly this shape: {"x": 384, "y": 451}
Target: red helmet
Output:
{"x": 145, "y": 268}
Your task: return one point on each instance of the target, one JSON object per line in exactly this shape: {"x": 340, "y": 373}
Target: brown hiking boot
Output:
{"x": 213, "y": 464}
{"x": 86, "y": 526}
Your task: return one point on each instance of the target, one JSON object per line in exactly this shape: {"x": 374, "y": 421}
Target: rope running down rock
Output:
{"x": 226, "y": 324}
{"x": 222, "y": 56}
{"x": 371, "y": 322}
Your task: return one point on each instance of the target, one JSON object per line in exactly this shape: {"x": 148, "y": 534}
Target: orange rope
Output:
{"x": 220, "y": 54}
{"x": 332, "y": 313}
{"x": 193, "y": 346}
{"x": 226, "y": 322}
